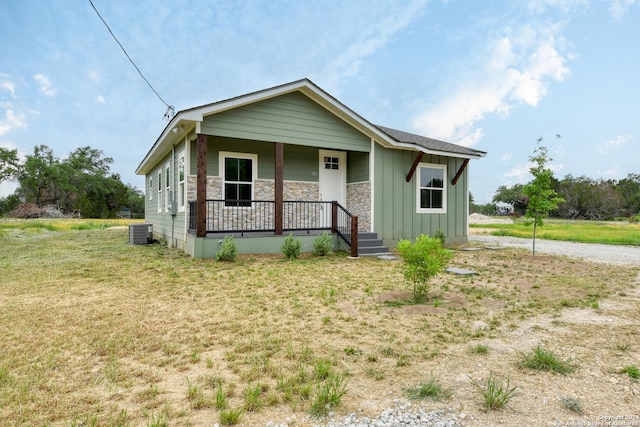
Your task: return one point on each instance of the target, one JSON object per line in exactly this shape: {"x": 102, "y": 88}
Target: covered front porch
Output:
{"x": 264, "y": 219}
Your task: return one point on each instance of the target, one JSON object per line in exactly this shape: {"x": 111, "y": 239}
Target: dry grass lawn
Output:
{"x": 99, "y": 332}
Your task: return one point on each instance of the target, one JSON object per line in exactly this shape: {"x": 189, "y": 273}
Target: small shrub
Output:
{"x": 431, "y": 390}
{"x": 496, "y": 391}
{"x": 540, "y": 359}
{"x": 322, "y": 244}
{"x": 228, "y": 250}
{"x": 291, "y": 247}
{"x": 423, "y": 260}
{"x": 440, "y": 236}
{"x": 572, "y": 404}
{"x": 328, "y": 394}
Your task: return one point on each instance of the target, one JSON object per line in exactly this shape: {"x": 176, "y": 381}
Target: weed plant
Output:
{"x": 572, "y": 404}
{"x": 496, "y": 391}
{"x": 230, "y": 417}
{"x": 328, "y": 394}
{"x": 540, "y": 359}
{"x": 479, "y": 349}
{"x": 431, "y": 390}
{"x": 632, "y": 371}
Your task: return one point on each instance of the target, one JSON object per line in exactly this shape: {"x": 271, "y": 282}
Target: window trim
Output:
{"x": 167, "y": 178}
{"x": 150, "y": 186}
{"x": 160, "y": 190}
{"x": 223, "y": 155}
{"x": 181, "y": 182}
{"x": 443, "y": 209}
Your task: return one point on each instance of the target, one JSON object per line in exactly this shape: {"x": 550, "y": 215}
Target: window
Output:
{"x": 167, "y": 181}
{"x": 238, "y": 171}
{"x": 432, "y": 188}
{"x": 160, "y": 191}
{"x": 181, "y": 182}
{"x": 332, "y": 163}
{"x": 150, "y": 190}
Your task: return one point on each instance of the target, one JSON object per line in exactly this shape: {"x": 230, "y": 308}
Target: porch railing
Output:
{"x": 245, "y": 216}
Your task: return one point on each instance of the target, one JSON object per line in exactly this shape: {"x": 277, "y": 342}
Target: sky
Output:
{"x": 493, "y": 75}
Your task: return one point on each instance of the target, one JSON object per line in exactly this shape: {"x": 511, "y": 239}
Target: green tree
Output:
{"x": 543, "y": 199}
{"x": 629, "y": 189}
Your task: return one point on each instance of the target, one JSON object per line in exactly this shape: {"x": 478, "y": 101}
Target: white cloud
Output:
{"x": 506, "y": 157}
{"x": 100, "y": 99}
{"x": 610, "y": 173}
{"x": 517, "y": 67}
{"x": 45, "y": 84}
{"x": 614, "y": 143}
{"x": 12, "y": 121}
{"x": 8, "y": 86}
{"x": 93, "y": 75}
{"x": 541, "y": 6}
{"x": 377, "y": 35}
{"x": 619, "y": 8}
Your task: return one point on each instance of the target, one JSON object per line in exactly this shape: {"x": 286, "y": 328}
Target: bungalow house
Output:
{"x": 292, "y": 158}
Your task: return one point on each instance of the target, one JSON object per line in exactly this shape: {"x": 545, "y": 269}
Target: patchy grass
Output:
{"x": 612, "y": 233}
{"x": 96, "y": 330}
{"x": 540, "y": 359}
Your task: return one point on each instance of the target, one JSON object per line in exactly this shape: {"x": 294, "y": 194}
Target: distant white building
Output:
{"x": 504, "y": 208}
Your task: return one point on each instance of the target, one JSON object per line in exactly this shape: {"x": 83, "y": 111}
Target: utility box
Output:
{"x": 140, "y": 234}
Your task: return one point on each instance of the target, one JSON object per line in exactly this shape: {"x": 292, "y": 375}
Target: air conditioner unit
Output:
{"x": 140, "y": 234}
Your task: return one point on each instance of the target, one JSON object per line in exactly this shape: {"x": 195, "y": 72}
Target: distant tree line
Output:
{"x": 80, "y": 184}
{"x": 584, "y": 198}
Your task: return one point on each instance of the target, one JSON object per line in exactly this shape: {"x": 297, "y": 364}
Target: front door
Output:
{"x": 333, "y": 176}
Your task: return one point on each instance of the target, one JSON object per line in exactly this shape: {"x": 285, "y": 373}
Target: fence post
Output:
{"x": 354, "y": 236}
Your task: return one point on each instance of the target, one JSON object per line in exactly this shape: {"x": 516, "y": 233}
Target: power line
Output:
{"x": 170, "y": 110}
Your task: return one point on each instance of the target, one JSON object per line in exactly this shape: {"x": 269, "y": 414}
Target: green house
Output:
{"x": 294, "y": 159}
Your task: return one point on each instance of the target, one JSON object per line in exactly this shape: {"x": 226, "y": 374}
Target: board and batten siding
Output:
{"x": 165, "y": 226}
{"x": 395, "y": 215}
{"x": 291, "y": 118}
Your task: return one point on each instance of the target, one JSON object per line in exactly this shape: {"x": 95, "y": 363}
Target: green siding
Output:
{"x": 165, "y": 225}
{"x": 357, "y": 167}
{"x": 291, "y": 119}
{"x": 300, "y": 162}
{"x": 395, "y": 215}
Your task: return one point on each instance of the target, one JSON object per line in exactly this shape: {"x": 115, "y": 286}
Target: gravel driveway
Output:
{"x": 606, "y": 254}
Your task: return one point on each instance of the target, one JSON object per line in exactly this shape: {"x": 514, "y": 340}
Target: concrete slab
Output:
{"x": 388, "y": 257}
{"x": 494, "y": 248}
{"x": 460, "y": 271}
{"x": 470, "y": 249}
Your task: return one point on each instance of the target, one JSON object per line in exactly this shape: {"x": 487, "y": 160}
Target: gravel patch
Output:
{"x": 605, "y": 254}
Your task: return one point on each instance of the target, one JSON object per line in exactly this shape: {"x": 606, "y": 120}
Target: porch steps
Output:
{"x": 370, "y": 245}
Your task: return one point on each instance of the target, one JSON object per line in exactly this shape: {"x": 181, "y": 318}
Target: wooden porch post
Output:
{"x": 354, "y": 236}
{"x": 201, "y": 187}
{"x": 279, "y": 189}
{"x": 334, "y": 217}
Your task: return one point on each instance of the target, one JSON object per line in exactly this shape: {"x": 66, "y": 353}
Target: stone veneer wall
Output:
{"x": 260, "y": 216}
{"x": 359, "y": 203}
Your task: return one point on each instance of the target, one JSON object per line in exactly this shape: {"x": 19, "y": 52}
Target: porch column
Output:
{"x": 201, "y": 187}
{"x": 279, "y": 189}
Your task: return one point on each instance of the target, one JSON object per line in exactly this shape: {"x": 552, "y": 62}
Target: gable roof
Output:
{"x": 386, "y": 136}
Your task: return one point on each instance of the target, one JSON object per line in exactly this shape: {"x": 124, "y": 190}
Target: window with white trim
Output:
{"x": 238, "y": 171}
{"x": 167, "y": 182}
{"x": 160, "y": 191}
{"x": 431, "y": 188}
{"x": 150, "y": 187}
{"x": 181, "y": 183}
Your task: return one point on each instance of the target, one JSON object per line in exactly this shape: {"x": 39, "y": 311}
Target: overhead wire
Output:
{"x": 170, "y": 108}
